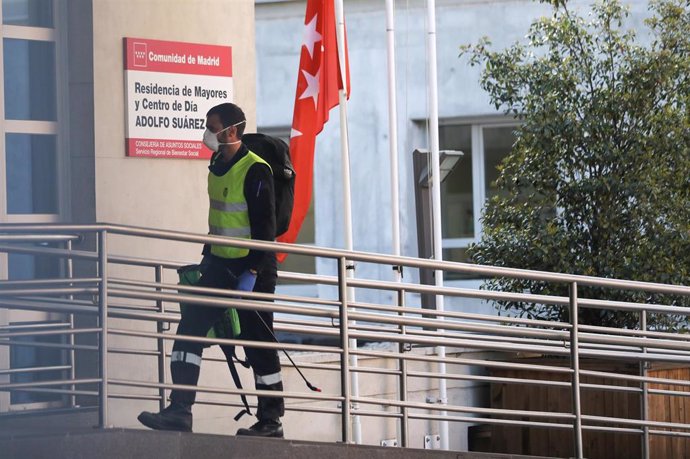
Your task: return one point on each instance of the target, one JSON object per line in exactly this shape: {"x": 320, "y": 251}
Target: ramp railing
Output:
{"x": 98, "y": 297}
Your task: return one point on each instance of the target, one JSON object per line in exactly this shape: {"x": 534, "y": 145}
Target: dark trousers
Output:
{"x": 255, "y": 325}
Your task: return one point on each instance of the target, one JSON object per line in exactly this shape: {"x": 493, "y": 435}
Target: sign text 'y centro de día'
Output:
{"x": 169, "y": 88}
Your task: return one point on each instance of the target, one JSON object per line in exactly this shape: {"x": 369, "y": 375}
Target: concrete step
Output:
{"x": 48, "y": 422}
{"x": 147, "y": 444}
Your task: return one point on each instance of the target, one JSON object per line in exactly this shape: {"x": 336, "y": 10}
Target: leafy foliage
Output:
{"x": 598, "y": 181}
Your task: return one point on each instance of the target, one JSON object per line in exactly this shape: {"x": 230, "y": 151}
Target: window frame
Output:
{"x": 59, "y": 128}
{"x": 477, "y": 125}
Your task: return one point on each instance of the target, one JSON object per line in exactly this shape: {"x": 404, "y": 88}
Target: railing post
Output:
{"x": 160, "y": 341}
{"x": 575, "y": 365}
{"x": 402, "y": 348}
{"x": 69, "y": 268}
{"x": 645, "y": 391}
{"x": 345, "y": 356}
{"x": 103, "y": 324}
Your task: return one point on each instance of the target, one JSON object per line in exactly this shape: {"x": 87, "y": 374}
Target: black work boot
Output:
{"x": 177, "y": 416}
{"x": 264, "y": 428}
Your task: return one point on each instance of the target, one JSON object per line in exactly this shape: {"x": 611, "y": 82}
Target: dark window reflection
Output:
{"x": 34, "y": 13}
{"x": 498, "y": 142}
{"x": 30, "y": 92}
{"x": 34, "y": 356}
{"x": 457, "y": 205}
{"x": 31, "y": 168}
{"x": 24, "y": 267}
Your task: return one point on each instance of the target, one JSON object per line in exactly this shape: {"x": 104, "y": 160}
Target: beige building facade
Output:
{"x": 63, "y": 150}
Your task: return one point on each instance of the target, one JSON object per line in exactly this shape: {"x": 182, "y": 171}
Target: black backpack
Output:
{"x": 277, "y": 154}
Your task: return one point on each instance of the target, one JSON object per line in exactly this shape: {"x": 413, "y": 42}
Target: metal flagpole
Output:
{"x": 345, "y": 160}
{"x": 395, "y": 206}
{"x": 436, "y": 199}
{"x": 393, "y": 130}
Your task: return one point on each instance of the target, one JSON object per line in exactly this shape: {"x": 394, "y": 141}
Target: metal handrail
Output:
{"x": 467, "y": 268}
{"x": 416, "y": 288}
{"x": 410, "y": 327}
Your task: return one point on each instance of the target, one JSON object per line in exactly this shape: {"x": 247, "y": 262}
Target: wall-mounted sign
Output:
{"x": 169, "y": 88}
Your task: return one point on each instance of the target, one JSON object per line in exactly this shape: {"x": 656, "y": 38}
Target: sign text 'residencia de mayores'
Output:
{"x": 172, "y": 90}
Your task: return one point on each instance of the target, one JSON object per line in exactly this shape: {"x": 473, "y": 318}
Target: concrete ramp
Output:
{"x": 146, "y": 444}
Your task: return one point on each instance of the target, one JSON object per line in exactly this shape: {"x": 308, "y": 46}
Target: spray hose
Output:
{"x": 306, "y": 381}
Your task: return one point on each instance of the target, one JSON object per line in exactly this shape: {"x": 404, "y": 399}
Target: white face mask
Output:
{"x": 211, "y": 139}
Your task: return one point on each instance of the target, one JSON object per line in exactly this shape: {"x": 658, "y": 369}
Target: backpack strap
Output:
{"x": 244, "y": 363}
{"x": 230, "y": 357}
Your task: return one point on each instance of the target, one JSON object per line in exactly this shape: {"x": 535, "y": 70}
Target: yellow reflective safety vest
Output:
{"x": 228, "y": 214}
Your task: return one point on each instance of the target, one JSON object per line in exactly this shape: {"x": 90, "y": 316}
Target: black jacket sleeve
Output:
{"x": 259, "y": 193}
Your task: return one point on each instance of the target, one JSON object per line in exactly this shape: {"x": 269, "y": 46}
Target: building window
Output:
{"x": 29, "y": 157}
{"x": 31, "y": 63}
{"x": 307, "y": 235}
{"x": 472, "y": 182}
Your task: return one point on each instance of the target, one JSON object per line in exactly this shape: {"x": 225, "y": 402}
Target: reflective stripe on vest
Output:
{"x": 228, "y": 214}
{"x": 228, "y": 206}
{"x": 230, "y": 232}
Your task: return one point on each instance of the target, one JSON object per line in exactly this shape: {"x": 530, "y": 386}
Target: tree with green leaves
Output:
{"x": 598, "y": 180}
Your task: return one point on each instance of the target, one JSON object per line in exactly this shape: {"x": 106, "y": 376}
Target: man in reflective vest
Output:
{"x": 242, "y": 205}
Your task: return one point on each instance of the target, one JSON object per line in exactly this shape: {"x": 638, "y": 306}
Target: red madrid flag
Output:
{"x": 318, "y": 83}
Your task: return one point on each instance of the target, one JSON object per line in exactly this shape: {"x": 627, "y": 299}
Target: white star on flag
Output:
{"x": 312, "y": 87}
{"x": 311, "y": 36}
{"x": 294, "y": 133}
